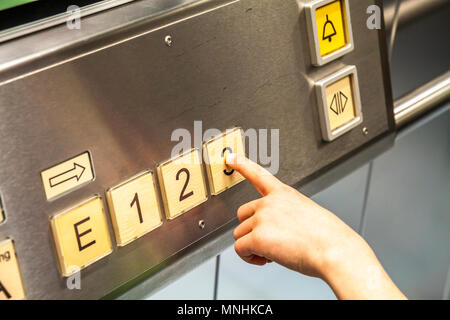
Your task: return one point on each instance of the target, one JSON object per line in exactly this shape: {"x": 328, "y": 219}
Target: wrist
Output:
{"x": 353, "y": 272}
{"x": 345, "y": 257}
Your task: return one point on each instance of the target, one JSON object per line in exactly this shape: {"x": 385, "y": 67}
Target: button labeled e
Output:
{"x": 81, "y": 236}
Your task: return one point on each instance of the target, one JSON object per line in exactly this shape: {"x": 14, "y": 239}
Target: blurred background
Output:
{"x": 399, "y": 202}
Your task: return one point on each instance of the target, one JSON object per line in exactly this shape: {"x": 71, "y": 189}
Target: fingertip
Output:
{"x": 231, "y": 158}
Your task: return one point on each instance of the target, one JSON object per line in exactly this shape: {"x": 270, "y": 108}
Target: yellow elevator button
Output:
{"x": 220, "y": 176}
{"x": 330, "y": 30}
{"x": 67, "y": 175}
{"x": 134, "y": 208}
{"x": 11, "y": 285}
{"x": 81, "y": 236}
{"x": 339, "y": 103}
{"x": 182, "y": 183}
{"x": 330, "y": 27}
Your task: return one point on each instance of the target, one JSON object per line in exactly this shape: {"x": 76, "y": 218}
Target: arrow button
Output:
{"x": 67, "y": 175}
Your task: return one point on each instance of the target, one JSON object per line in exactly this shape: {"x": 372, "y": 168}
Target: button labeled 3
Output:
{"x": 220, "y": 176}
{"x": 134, "y": 208}
{"x": 330, "y": 30}
{"x": 81, "y": 236}
{"x": 182, "y": 183}
{"x": 67, "y": 175}
{"x": 11, "y": 285}
{"x": 339, "y": 103}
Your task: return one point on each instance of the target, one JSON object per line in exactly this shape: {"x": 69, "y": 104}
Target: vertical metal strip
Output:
{"x": 362, "y": 225}
{"x": 216, "y": 277}
{"x": 394, "y": 27}
{"x": 446, "y": 294}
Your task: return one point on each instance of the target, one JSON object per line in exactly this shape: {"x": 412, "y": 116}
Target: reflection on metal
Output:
{"x": 422, "y": 100}
{"x": 411, "y": 10}
{"x": 57, "y": 19}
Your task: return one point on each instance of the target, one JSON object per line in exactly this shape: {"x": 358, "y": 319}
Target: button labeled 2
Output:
{"x": 11, "y": 285}
{"x": 182, "y": 183}
{"x": 220, "y": 176}
{"x": 67, "y": 175}
{"x": 134, "y": 208}
{"x": 81, "y": 236}
{"x": 339, "y": 103}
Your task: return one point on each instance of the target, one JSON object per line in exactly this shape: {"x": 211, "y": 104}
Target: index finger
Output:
{"x": 259, "y": 177}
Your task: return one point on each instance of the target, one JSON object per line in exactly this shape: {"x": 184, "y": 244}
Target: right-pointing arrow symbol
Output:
{"x": 343, "y": 100}
{"x": 65, "y": 176}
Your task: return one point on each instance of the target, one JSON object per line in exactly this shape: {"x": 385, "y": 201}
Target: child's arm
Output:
{"x": 286, "y": 227}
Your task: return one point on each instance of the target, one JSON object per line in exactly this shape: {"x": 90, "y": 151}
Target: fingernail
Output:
{"x": 231, "y": 158}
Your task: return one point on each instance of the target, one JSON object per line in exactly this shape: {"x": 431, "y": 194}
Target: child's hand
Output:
{"x": 286, "y": 227}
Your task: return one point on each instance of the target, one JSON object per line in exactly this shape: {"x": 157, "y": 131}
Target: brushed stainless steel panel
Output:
{"x": 232, "y": 63}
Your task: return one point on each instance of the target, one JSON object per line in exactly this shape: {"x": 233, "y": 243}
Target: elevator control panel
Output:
{"x": 113, "y": 149}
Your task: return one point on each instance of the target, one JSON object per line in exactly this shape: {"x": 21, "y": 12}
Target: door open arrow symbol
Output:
{"x": 74, "y": 173}
{"x": 338, "y": 103}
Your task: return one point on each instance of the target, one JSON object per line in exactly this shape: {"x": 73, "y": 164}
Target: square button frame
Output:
{"x": 321, "y": 86}
{"x": 113, "y": 213}
{"x": 4, "y": 241}
{"x": 313, "y": 36}
{"x": 162, "y": 183}
{"x": 208, "y": 167}
{"x": 61, "y": 259}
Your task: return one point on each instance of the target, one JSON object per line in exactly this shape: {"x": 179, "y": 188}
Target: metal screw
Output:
{"x": 365, "y": 131}
{"x": 168, "y": 40}
{"x": 201, "y": 224}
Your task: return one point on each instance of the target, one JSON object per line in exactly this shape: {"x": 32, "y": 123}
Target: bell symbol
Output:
{"x": 328, "y": 30}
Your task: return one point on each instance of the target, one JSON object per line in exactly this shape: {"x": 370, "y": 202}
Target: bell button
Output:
{"x": 330, "y": 30}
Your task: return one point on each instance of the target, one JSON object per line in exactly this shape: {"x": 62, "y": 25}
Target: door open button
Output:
{"x": 339, "y": 103}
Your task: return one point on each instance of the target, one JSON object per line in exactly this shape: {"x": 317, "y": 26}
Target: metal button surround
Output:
{"x": 311, "y": 8}
{"x": 330, "y": 131}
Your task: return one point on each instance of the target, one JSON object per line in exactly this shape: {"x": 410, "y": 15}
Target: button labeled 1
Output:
{"x": 81, "y": 236}
{"x": 182, "y": 183}
{"x": 330, "y": 30}
{"x": 220, "y": 176}
{"x": 339, "y": 103}
{"x": 134, "y": 208}
{"x": 11, "y": 285}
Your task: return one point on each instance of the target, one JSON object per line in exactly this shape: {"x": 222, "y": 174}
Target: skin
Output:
{"x": 290, "y": 229}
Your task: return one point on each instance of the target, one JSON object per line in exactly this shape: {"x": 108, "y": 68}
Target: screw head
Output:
{"x": 168, "y": 40}
{"x": 201, "y": 224}
{"x": 365, "y": 131}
